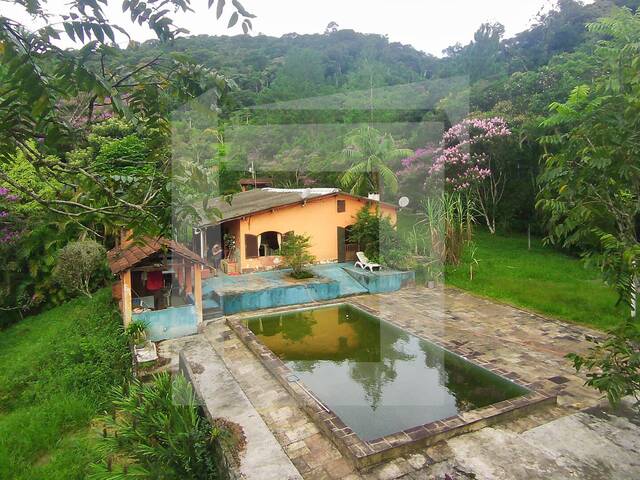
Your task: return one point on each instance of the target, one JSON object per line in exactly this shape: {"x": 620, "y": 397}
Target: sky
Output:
{"x": 428, "y": 25}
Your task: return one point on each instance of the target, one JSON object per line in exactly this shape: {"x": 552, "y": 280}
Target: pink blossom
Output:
{"x": 457, "y": 157}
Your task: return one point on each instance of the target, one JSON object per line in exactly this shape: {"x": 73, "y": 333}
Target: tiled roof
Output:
{"x": 121, "y": 259}
{"x": 253, "y": 201}
{"x": 247, "y": 203}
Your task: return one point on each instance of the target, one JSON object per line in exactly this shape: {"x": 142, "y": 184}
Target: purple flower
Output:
{"x": 457, "y": 155}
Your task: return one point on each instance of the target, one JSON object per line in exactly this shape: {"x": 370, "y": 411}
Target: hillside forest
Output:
{"x": 93, "y": 143}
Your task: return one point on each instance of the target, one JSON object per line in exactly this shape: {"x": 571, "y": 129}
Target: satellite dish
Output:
{"x": 403, "y": 202}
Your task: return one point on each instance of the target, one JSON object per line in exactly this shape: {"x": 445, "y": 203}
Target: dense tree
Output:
{"x": 40, "y": 79}
{"x": 591, "y": 190}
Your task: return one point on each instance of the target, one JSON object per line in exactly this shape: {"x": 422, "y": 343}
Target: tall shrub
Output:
{"x": 80, "y": 265}
{"x": 591, "y": 191}
{"x": 157, "y": 432}
{"x": 378, "y": 238}
{"x": 449, "y": 219}
{"x": 295, "y": 250}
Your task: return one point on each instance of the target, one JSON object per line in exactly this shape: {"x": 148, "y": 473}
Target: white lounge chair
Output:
{"x": 364, "y": 263}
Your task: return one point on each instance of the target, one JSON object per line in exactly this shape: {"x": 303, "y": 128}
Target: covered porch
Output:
{"x": 160, "y": 284}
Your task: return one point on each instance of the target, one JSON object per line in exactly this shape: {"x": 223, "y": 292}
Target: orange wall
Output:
{"x": 318, "y": 219}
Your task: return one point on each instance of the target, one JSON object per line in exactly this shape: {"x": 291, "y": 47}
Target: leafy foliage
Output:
{"x": 591, "y": 190}
{"x": 370, "y": 151}
{"x": 295, "y": 251}
{"x": 614, "y": 363}
{"x": 591, "y": 181}
{"x": 53, "y": 94}
{"x": 156, "y": 431}
{"x": 80, "y": 265}
{"x": 378, "y": 238}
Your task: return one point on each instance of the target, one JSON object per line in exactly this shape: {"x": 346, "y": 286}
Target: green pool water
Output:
{"x": 376, "y": 377}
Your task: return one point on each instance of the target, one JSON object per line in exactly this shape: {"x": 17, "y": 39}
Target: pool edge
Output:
{"x": 364, "y": 453}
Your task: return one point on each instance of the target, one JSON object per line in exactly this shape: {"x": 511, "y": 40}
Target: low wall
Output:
{"x": 173, "y": 322}
{"x": 382, "y": 281}
{"x": 306, "y": 292}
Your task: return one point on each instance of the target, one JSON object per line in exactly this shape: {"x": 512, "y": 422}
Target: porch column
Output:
{"x": 126, "y": 297}
{"x": 188, "y": 283}
{"x": 197, "y": 292}
{"x": 179, "y": 268}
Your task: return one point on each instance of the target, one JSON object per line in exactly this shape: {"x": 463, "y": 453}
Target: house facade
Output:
{"x": 259, "y": 219}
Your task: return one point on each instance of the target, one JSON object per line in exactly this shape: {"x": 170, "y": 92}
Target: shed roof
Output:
{"x": 256, "y": 181}
{"x": 124, "y": 258}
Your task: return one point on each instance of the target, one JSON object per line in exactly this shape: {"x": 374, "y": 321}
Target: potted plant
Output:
{"x": 229, "y": 264}
{"x": 137, "y": 333}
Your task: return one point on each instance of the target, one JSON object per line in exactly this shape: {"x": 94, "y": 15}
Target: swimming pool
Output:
{"x": 377, "y": 390}
{"x": 376, "y": 377}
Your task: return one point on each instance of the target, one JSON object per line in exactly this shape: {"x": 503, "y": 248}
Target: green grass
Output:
{"x": 541, "y": 279}
{"x": 56, "y": 370}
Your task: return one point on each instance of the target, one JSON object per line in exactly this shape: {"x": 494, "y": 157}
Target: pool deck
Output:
{"x": 577, "y": 438}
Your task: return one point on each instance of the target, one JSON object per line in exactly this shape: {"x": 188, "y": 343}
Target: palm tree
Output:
{"x": 370, "y": 151}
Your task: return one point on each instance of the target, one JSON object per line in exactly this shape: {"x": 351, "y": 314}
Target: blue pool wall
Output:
{"x": 169, "y": 323}
{"x": 279, "y": 296}
{"x": 382, "y": 281}
{"x": 332, "y": 281}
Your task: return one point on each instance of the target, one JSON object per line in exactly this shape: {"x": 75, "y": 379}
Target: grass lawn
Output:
{"x": 56, "y": 370}
{"x": 541, "y": 279}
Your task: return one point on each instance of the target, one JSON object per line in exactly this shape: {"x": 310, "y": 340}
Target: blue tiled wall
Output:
{"x": 383, "y": 281}
{"x": 279, "y": 296}
{"x": 172, "y": 322}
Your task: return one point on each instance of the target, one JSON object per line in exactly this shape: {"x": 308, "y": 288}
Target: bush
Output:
{"x": 156, "y": 431}
{"x": 81, "y": 266}
{"x": 295, "y": 250}
{"x": 379, "y": 240}
{"x": 136, "y": 331}
{"x": 614, "y": 363}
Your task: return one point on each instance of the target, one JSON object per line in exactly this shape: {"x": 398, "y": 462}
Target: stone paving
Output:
{"x": 487, "y": 332}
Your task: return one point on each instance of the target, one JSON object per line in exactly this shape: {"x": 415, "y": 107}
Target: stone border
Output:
{"x": 366, "y": 453}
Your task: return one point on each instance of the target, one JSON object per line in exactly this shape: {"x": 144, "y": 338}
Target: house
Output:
{"x": 160, "y": 283}
{"x": 258, "y": 219}
{"x": 253, "y": 183}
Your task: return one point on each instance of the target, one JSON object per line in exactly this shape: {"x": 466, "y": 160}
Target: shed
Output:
{"x": 160, "y": 282}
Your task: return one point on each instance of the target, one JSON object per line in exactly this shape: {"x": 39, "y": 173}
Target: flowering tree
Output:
{"x": 463, "y": 162}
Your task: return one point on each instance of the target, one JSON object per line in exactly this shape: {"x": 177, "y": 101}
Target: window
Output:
{"x": 264, "y": 245}
{"x": 341, "y": 206}
{"x": 268, "y": 243}
{"x": 250, "y": 246}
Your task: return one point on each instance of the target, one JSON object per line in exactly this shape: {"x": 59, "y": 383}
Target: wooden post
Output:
{"x": 197, "y": 292}
{"x": 188, "y": 283}
{"x": 126, "y": 298}
{"x": 179, "y": 268}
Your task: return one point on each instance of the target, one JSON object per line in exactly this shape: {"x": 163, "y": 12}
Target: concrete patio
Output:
{"x": 577, "y": 438}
